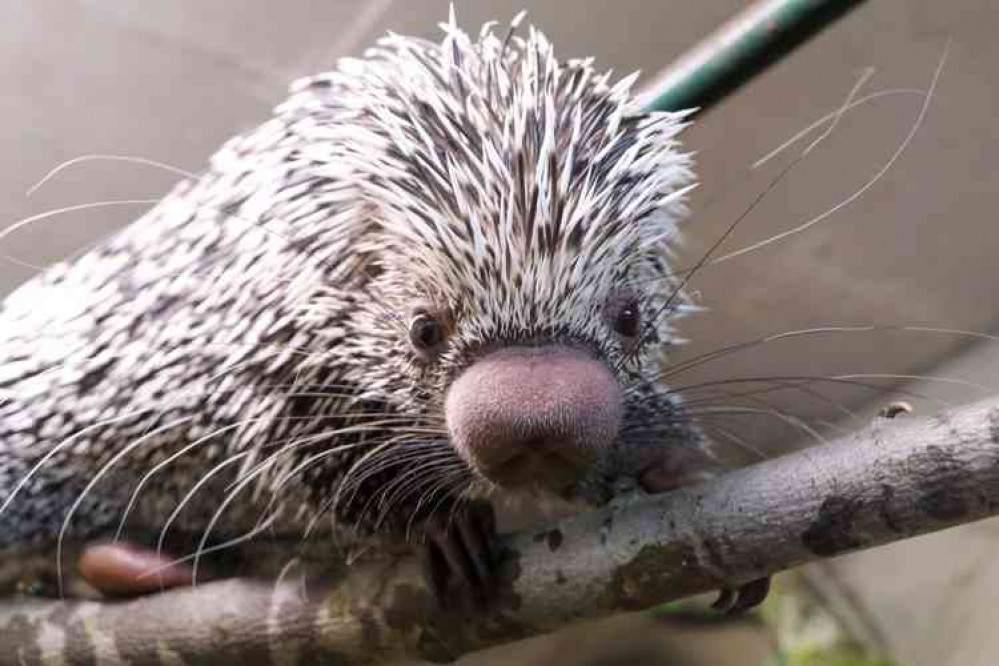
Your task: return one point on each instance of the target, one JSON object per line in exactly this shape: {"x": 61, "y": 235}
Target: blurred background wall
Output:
{"x": 170, "y": 81}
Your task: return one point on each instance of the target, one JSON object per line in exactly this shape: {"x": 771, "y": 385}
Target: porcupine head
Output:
{"x": 519, "y": 293}
{"x": 494, "y": 321}
{"x": 518, "y": 284}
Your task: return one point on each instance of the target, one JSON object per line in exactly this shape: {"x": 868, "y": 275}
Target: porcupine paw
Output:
{"x": 460, "y": 557}
{"x": 127, "y": 569}
{"x": 733, "y": 601}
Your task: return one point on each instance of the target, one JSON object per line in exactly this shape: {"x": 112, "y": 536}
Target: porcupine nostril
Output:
{"x": 523, "y": 415}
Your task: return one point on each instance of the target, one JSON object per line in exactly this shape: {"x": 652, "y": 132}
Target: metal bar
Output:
{"x": 740, "y": 49}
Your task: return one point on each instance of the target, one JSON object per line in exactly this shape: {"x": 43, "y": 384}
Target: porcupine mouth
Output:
{"x": 538, "y": 468}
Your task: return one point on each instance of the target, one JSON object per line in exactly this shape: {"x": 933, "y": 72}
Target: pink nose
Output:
{"x": 525, "y": 415}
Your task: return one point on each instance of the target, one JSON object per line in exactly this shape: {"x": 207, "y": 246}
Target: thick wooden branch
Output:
{"x": 897, "y": 479}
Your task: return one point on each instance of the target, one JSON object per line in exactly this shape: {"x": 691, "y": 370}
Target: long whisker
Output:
{"x": 677, "y": 290}
{"x": 205, "y": 478}
{"x": 789, "y": 419}
{"x": 94, "y": 481}
{"x": 347, "y": 482}
{"x": 312, "y": 460}
{"x": 113, "y": 158}
{"x": 864, "y": 77}
{"x": 408, "y": 448}
{"x": 230, "y": 496}
{"x": 55, "y": 450}
{"x": 211, "y": 526}
{"x": 257, "y": 530}
{"x": 713, "y": 355}
{"x": 159, "y": 466}
{"x": 392, "y": 458}
{"x": 831, "y": 115}
{"x": 778, "y": 385}
{"x": 23, "y": 222}
{"x": 369, "y": 426}
{"x": 805, "y": 379}
{"x": 272, "y": 460}
{"x": 957, "y": 381}
{"x": 868, "y": 185}
{"x": 449, "y": 484}
{"x": 796, "y": 386}
{"x": 714, "y": 431}
{"x": 415, "y": 476}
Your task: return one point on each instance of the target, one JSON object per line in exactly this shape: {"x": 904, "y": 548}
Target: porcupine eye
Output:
{"x": 627, "y": 321}
{"x": 426, "y": 333}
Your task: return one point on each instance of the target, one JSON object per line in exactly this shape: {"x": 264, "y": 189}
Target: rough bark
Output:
{"x": 897, "y": 479}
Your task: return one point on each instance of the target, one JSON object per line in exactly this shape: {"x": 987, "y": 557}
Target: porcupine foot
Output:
{"x": 733, "y": 601}
{"x": 688, "y": 467}
{"x": 460, "y": 557}
{"x": 127, "y": 569}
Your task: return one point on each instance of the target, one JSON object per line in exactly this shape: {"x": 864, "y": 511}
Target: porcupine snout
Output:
{"x": 534, "y": 415}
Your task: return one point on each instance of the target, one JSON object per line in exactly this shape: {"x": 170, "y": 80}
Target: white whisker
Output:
{"x": 866, "y": 186}
{"x": 114, "y": 158}
{"x": 96, "y": 479}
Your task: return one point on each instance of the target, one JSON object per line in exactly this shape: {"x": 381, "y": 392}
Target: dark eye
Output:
{"x": 628, "y": 320}
{"x": 425, "y": 333}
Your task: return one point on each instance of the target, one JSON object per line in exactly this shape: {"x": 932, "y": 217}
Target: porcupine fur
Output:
{"x": 254, "y": 324}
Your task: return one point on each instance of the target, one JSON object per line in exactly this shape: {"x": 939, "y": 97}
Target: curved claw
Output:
{"x": 734, "y": 601}
{"x": 461, "y": 552}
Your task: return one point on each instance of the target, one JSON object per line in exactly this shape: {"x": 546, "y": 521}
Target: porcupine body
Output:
{"x": 307, "y": 319}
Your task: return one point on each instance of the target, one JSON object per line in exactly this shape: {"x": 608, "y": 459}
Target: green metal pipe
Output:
{"x": 749, "y": 42}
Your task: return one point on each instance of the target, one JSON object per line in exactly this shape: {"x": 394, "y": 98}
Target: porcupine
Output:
{"x": 438, "y": 275}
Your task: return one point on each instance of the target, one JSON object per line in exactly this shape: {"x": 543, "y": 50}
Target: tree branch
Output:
{"x": 895, "y": 480}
